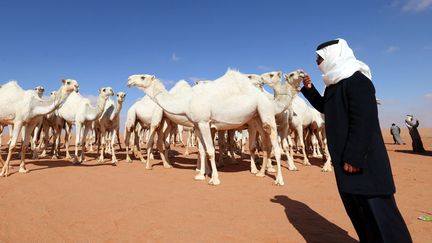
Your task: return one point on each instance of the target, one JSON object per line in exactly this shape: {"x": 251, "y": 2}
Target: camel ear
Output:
{"x": 99, "y": 90}
{"x": 153, "y": 77}
{"x": 63, "y": 81}
{"x": 286, "y": 76}
{"x": 280, "y": 74}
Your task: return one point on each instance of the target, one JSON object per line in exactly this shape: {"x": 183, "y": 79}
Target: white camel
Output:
{"x": 147, "y": 113}
{"x": 23, "y": 109}
{"x": 226, "y": 103}
{"x": 53, "y": 122}
{"x": 108, "y": 124}
{"x": 78, "y": 110}
{"x": 284, "y": 94}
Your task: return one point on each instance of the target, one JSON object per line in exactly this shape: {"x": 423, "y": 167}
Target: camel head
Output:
{"x": 39, "y": 91}
{"x": 255, "y": 80}
{"x": 294, "y": 78}
{"x": 272, "y": 78}
{"x": 105, "y": 92}
{"x": 120, "y": 96}
{"x": 141, "y": 80}
{"x": 52, "y": 94}
{"x": 69, "y": 85}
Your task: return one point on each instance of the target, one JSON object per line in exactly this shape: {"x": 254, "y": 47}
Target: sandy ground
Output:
{"x": 60, "y": 202}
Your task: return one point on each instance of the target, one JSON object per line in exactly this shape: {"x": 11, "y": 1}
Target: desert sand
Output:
{"x": 61, "y": 202}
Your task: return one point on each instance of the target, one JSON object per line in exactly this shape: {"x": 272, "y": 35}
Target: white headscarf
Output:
{"x": 340, "y": 63}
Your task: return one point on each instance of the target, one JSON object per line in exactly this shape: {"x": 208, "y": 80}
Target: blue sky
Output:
{"x": 101, "y": 43}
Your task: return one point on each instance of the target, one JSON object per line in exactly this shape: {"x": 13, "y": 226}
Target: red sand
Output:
{"x": 60, "y": 202}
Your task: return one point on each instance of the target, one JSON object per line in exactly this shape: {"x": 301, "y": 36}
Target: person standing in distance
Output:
{"x": 362, "y": 167}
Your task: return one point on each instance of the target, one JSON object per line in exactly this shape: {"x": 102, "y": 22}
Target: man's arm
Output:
{"x": 362, "y": 108}
{"x": 314, "y": 97}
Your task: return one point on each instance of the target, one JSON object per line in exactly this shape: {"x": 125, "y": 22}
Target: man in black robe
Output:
{"x": 356, "y": 146}
{"x": 417, "y": 143}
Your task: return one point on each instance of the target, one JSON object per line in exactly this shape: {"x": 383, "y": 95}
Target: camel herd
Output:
{"x": 233, "y": 107}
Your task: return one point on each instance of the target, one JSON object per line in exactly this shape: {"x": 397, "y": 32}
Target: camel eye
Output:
{"x": 68, "y": 82}
{"x": 271, "y": 75}
{"x": 291, "y": 74}
{"x": 142, "y": 77}
{"x": 103, "y": 90}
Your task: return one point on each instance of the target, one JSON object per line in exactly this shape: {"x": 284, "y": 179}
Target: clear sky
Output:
{"x": 100, "y": 43}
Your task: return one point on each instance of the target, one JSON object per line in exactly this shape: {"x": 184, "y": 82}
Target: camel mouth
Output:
{"x": 130, "y": 83}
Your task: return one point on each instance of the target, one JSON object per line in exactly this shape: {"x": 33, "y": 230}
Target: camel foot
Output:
{"x": 54, "y": 157}
{"x": 214, "y": 181}
{"x": 279, "y": 181}
{"x": 199, "y": 177}
{"x": 292, "y": 168}
{"x": 167, "y": 166}
{"x": 271, "y": 170}
{"x": 186, "y": 153}
{"x": 306, "y": 163}
{"x": 128, "y": 160}
{"x": 43, "y": 154}
{"x": 254, "y": 171}
{"x": 35, "y": 156}
{"x": 327, "y": 168}
{"x": 23, "y": 170}
{"x": 68, "y": 156}
{"x": 260, "y": 174}
{"x": 148, "y": 166}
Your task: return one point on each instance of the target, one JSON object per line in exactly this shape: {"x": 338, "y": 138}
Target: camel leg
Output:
{"x": 102, "y": 142}
{"x": 188, "y": 142}
{"x": 222, "y": 148}
{"x": 328, "y": 164}
{"x": 34, "y": 141}
{"x": 302, "y": 145}
{"x": 137, "y": 149}
{"x": 206, "y": 137}
{"x": 252, "y": 149}
{"x": 266, "y": 147}
{"x": 56, "y": 143}
{"x": 127, "y": 142}
{"x": 27, "y": 135}
{"x": 231, "y": 145}
{"x": 163, "y": 151}
{"x": 67, "y": 141}
{"x": 78, "y": 134}
{"x": 201, "y": 161}
{"x": 83, "y": 142}
{"x": 150, "y": 146}
{"x": 118, "y": 138}
{"x": 12, "y": 144}
{"x": 45, "y": 140}
{"x": 277, "y": 153}
{"x": 113, "y": 140}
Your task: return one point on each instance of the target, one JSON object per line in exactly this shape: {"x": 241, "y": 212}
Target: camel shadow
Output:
{"x": 311, "y": 225}
{"x": 426, "y": 153}
{"x": 49, "y": 163}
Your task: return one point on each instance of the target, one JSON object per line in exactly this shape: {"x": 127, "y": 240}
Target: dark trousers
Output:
{"x": 376, "y": 218}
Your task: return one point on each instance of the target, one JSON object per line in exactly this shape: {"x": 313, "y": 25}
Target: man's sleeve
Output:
{"x": 314, "y": 97}
{"x": 362, "y": 111}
